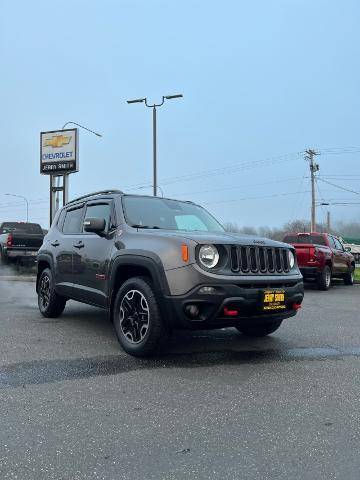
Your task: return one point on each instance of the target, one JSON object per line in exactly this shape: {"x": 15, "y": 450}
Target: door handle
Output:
{"x": 79, "y": 244}
{"x": 56, "y": 243}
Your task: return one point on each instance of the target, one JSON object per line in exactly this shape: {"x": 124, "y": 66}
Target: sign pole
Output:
{"x": 52, "y": 198}
{"x": 65, "y": 189}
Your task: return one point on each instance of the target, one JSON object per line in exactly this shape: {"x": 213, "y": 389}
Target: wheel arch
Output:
{"x": 128, "y": 266}
{"x": 329, "y": 263}
{"x": 43, "y": 261}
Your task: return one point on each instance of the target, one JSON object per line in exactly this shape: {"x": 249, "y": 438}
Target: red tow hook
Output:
{"x": 230, "y": 313}
{"x": 296, "y": 306}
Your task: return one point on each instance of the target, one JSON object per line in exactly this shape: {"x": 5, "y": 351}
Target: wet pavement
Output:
{"x": 211, "y": 405}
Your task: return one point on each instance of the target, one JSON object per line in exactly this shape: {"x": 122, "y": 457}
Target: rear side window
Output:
{"x": 99, "y": 210}
{"x": 332, "y": 242}
{"x": 338, "y": 245}
{"x": 73, "y": 218}
{"x": 301, "y": 238}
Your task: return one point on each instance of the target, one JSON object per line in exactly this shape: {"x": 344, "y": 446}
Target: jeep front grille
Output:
{"x": 260, "y": 260}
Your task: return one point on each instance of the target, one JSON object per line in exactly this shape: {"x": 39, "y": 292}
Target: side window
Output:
{"x": 72, "y": 223}
{"x": 60, "y": 221}
{"x": 332, "y": 242}
{"x": 99, "y": 210}
{"x": 338, "y": 244}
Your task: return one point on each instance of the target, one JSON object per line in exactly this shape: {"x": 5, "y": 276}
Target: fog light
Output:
{"x": 296, "y": 306}
{"x": 192, "y": 311}
{"x": 207, "y": 290}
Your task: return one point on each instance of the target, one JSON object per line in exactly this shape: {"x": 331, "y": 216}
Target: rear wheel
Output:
{"x": 3, "y": 258}
{"x": 259, "y": 330}
{"x": 349, "y": 277}
{"x": 137, "y": 319}
{"x": 51, "y": 305}
{"x": 324, "y": 278}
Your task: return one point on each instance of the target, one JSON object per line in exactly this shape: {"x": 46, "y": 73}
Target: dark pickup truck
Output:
{"x": 321, "y": 257}
{"x": 20, "y": 241}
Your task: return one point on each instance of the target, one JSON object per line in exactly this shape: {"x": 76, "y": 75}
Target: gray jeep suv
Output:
{"x": 157, "y": 265}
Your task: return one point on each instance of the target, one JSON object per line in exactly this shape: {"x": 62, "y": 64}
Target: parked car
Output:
{"x": 321, "y": 257}
{"x": 19, "y": 241}
{"x": 158, "y": 264}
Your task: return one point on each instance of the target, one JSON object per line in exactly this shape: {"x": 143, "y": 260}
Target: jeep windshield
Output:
{"x": 155, "y": 212}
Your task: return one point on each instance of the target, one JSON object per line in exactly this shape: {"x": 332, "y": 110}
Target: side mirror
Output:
{"x": 95, "y": 225}
{"x": 347, "y": 249}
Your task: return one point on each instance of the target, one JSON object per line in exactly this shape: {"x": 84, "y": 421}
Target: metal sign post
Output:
{"x": 56, "y": 187}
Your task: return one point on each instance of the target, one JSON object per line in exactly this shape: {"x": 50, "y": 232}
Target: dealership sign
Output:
{"x": 59, "y": 152}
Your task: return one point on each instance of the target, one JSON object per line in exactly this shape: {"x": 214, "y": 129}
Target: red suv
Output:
{"x": 321, "y": 257}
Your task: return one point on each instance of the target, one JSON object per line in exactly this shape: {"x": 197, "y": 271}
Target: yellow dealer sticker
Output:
{"x": 274, "y": 300}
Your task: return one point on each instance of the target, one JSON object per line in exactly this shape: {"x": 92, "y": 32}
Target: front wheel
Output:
{"x": 259, "y": 330}
{"x": 137, "y": 318}
{"x": 51, "y": 305}
{"x": 349, "y": 277}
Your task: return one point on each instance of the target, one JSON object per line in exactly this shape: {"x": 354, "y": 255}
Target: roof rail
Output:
{"x": 101, "y": 192}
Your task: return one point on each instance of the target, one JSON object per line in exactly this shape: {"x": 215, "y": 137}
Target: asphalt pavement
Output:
{"x": 212, "y": 405}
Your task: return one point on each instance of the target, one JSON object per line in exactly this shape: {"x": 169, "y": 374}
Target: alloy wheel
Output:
{"x": 134, "y": 316}
{"x": 45, "y": 292}
{"x": 328, "y": 277}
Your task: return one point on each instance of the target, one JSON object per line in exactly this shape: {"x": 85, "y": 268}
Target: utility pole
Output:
{"x": 314, "y": 167}
{"x": 328, "y": 221}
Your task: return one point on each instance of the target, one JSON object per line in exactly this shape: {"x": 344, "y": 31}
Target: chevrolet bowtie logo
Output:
{"x": 57, "y": 141}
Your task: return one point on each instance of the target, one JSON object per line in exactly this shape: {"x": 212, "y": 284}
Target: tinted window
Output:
{"x": 303, "y": 238}
{"x": 72, "y": 222}
{"x": 168, "y": 214}
{"x": 338, "y": 245}
{"x": 16, "y": 227}
{"x": 61, "y": 219}
{"x": 99, "y": 211}
{"x": 332, "y": 242}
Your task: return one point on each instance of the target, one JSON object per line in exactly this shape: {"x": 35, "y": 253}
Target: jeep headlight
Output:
{"x": 208, "y": 256}
{"x": 291, "y": 258}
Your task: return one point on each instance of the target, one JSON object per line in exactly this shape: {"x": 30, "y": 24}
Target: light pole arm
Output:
{"x": 155, "y": 104}
{"x": 81, "y": 126}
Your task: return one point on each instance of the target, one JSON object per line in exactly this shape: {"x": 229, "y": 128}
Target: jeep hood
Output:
{"x": 222, "y": 238}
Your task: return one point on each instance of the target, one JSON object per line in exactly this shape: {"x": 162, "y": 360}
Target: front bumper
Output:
{"x": 246, "y": 300}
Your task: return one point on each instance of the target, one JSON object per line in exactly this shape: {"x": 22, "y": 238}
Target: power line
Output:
{"x": 238, "y": 186}
{"x": 231, "y": 169}
{"x": 339, "y": 186}
{"x": 256, "y": 198}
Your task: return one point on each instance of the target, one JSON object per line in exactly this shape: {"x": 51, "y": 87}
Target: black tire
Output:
{"x": 324, "y": 279}
{"x": 137, "y": 319}
{"x": 259, "y": 330}
{"x": 51, "y": 305}
{"x": 349, "y": 277}
{"x": 3, "y": 258}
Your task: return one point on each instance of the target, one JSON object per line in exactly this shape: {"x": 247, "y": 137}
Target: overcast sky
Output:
{"x": 262, "y": 81}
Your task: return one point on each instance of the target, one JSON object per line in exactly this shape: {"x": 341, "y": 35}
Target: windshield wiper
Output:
{"x": 144, "y": 226}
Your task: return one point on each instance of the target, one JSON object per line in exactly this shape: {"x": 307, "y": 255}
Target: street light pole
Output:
{"x": 154, "y": 106}
{"x": 154, "y": 153}
{"x": 24, "y": 198}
